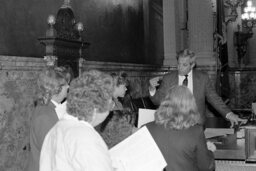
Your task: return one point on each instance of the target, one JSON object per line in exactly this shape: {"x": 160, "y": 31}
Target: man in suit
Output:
{"x": 53, "y": 85}
{"x": 198, "y": 83}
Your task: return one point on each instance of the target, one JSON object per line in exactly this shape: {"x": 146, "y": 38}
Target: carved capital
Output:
{"x": 51, "y": 60}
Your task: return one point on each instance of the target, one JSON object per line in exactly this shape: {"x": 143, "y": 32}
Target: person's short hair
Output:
{"x": 186, "y": 53}
{"x": 178, "y": 110}
{"x": 50, "y": 82}
{"x": 120, "y": 78}
{"x": 69, "y": 74}
{"x": 91, "y": 90}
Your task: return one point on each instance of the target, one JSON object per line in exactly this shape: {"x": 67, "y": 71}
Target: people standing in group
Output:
{"x": 53, "y": 84}
{"x": 197, "y": 81}
{"x": 178, "y": 134}
{"x": 73, "y": 143}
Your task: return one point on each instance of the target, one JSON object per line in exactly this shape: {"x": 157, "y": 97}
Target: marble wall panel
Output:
{"x": 17, "y": 95}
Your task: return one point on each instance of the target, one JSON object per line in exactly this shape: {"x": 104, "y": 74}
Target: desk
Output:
{"x": 229, "y": 148}
{"x": 233, "y": 154}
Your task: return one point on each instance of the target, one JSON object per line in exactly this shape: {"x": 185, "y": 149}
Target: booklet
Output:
{"x": 145, "y": 116}
{"x": 138, "y": 152}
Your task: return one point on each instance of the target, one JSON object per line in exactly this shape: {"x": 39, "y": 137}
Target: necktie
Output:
{"x": 185, "y": 81}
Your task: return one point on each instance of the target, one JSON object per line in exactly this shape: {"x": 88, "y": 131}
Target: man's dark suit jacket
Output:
{"x": 183, "y": 150}
{"x": 202, "y": 91}
{"x": 43, "y": 120}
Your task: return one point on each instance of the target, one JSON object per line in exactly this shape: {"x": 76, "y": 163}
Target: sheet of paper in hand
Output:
{"x": 138, "y": 152}
{"x": 145, "y": 116}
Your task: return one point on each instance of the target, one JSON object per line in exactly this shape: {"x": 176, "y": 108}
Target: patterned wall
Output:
{"x": 243, "y": 87}
{"x": 17, "y": 94}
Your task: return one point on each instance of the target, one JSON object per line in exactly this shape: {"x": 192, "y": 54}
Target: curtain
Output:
{"x": 222, "y": 50}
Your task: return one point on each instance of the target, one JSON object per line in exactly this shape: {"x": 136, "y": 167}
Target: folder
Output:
{"x": 145, "y": 116}
{"x": 138, "y": 152}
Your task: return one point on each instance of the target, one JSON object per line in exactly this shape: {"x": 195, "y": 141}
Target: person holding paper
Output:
{"x": 177, "y": 133}
{"x": 198, "y": 83}
{"x": 73, "y": 143}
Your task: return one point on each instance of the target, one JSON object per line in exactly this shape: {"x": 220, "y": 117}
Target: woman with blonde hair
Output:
{"x": 177, "y": 132}
{"x": 53, "y": 86}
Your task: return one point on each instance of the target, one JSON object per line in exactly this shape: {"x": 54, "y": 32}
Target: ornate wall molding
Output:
{"x": 63, "y": 38}
{"x": 232, "y": 6}
{"x": 21, "y": 63}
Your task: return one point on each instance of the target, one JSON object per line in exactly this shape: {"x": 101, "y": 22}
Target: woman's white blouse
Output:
{"x": 73, "y": 145}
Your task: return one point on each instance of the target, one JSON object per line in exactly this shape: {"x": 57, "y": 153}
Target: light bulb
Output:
{"x": 80, "y": 26}
{"x": 254, "y": 16}
{"x": 251, "y": 15}
{"x": 246, "y": 16}
{"x": 51, "y": 20}
{"x": 246, "y": 9}
{"x": 242, "y": 16}
{"x": 249, "y": 3}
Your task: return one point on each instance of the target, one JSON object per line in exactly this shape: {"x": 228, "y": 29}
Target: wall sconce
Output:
{"x": 80, "y": 29}
{"x": 232, "y": 5}
{"x": 241, "y": 42}
{"x": 249, "y": 16}
{"x": 80, "y": 26}
{"x": 51, "y": 32}
{"x": 63, "y": 41}
{"x": 51, "y": 20}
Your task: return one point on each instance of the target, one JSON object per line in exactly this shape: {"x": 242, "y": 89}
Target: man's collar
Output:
{"x": 54, "y": 102}
{"x": 189, "y": 74}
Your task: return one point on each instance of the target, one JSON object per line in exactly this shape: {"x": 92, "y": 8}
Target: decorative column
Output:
{"x": 200, "y": 27}
{"x": 171, "y": 34}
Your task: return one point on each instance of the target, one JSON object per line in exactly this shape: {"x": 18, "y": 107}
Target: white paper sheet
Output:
{"x": 145, "y": 116}
{"x": 138, "y": 152}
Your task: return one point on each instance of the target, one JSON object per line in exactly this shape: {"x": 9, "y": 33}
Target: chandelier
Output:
{"x": 249, "y": 16}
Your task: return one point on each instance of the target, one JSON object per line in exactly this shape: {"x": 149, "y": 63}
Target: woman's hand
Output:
{"x": 211, "y": 146}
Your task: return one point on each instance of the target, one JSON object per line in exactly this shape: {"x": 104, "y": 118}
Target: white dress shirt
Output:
{"x": 190, "y": 80}
{"x": 59, "y": 108}
{"x": 73, "y": 145}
